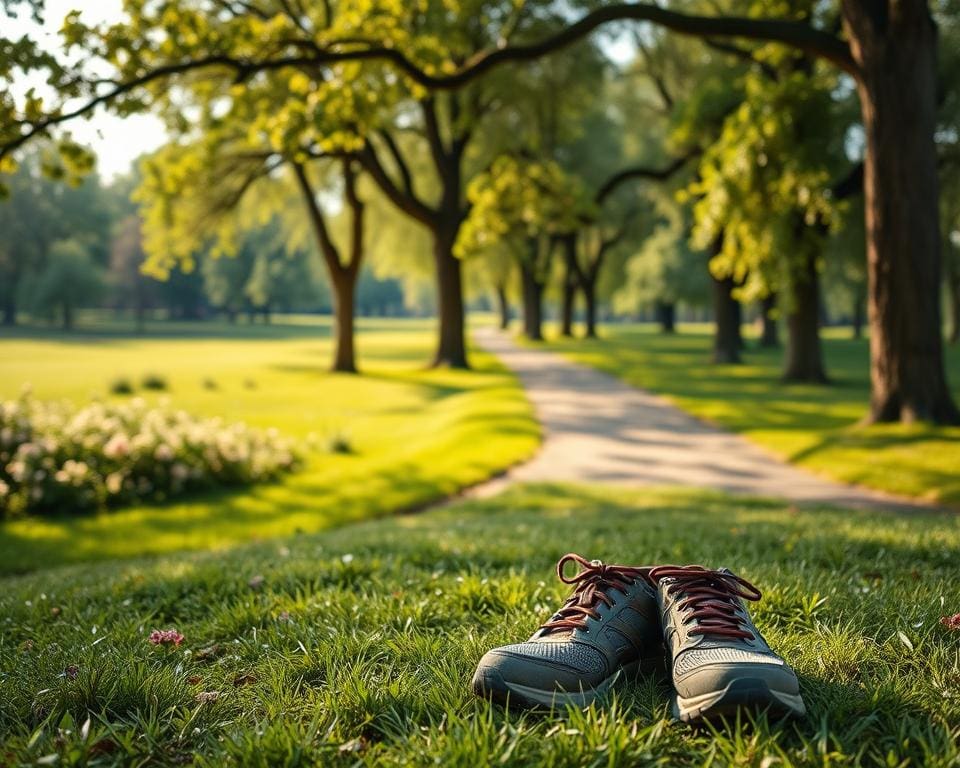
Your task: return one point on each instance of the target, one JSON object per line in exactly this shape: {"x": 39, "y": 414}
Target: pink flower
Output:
{"x": 165, "y": 637}
{"x": 951, "y": 622}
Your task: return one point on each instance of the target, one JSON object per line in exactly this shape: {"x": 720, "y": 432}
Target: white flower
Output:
{"x": 163, "y": 453}
{"x": 117, "y": 446}
{"x": 4, "y": 489}
{"x": 114, "y": 483}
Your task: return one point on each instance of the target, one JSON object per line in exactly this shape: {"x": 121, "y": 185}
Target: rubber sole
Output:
{"x": 742, "y": 694}
{"x": 489, "y": 684}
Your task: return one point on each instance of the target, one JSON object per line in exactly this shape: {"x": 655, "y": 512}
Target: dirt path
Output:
{"x": 597, "y": 429}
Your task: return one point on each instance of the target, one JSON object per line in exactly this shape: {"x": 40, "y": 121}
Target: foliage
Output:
{"x": 70, "y": 279}
{"x": 57, "y": 459}
{"x": 764, "y": 186}
{"x": 520, "y": 199}
{"x": 356, "y": 646}
{"x": 40, "y": 213}
{"x": 154, "y": 381}
{"x": 121, "y": 385}
{"x": 665, "y": 268}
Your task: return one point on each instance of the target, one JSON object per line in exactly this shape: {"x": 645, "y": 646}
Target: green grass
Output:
{"x": 356, "y": 645}
{"x": 413, "y": 435}
{"x": 814, "y": 426}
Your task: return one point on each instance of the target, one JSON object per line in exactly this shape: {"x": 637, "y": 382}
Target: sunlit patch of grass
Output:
{"x": 415, "y": 435}
{"x": 356, "y": 645}
{"x": 815, "y": 426}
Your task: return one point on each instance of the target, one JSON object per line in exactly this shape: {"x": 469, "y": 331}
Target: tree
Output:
{"x": 888, "y": 47}
{"x": 203, "y": 193}
{"x": 664, "y": 271}
{"x": 126, "y": 276}
{"x": 25, "y": 240}
{"x": 71, "y": 279}
{"x": 343, "y": 273}
{"x": 523, "y": 204}
{"x": 765, "y": 184}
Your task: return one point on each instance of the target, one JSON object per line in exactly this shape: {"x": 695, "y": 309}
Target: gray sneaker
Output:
{"x": 719, "y": 663}
{"x": 605, "y": 632}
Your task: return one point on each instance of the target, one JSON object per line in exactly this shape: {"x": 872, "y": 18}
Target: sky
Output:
{"x": 116, "y": 141}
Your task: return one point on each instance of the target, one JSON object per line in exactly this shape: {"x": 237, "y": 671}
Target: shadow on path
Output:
{"x": 599, "y": 429}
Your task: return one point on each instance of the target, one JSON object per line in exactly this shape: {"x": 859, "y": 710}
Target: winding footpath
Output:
{"x": 598, "y": 429}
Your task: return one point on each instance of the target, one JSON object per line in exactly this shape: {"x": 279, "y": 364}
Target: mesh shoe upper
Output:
{"x": 710, "y": 637}
{"x": 608, "y": 623}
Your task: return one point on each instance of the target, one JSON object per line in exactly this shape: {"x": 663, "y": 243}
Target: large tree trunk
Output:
{"x": 567, "y": 304}
{"x": 727, "y": 341}
{"x": 769, "y": 330}
{"x": 895, "y": 48}
{"x": 955, "y": 310}
{"x": 451, "y": 345}
{"x": 953, "y": 284}
{"x": 10, "y": 310}
{"x": 532, "y": 302}
{"x": 503, "y": 306}
{"x": 67, "y": 316}
{"x": 589, "y": 287}
{"x": 667, "y": 316}
{"x": 859, "y": 314}
{"x": 804, "y": 354}
{"x": 571, "y": 282}
{"x": 344, "y": 290}
{"x": 139, "y": 305}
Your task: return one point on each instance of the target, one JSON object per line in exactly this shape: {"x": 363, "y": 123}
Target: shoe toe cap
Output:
{"x": 542, "y": 666}
{"x": 700, "y": 672}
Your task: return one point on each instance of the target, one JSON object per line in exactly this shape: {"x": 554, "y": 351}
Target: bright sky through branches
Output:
{"x": 116, "y": 141}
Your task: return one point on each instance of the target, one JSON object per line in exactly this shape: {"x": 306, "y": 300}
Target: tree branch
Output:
{"x": 640, "y": 172}
{"x": 849, "y": 185}
{"x": 744, "y": 54}
{"x": 656, "y": 77}
{"x": 371, "y": 163}
{"x": 357, "y": 210}
{"x": 327, "y": 247}
{"x": 403, "y": 168}
{"x": 432, "y": 126}
{"x": 793, "y": 33}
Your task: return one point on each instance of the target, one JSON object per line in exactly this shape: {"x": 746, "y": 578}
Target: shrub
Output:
{"x": 54, "y": 459}
{"x": 339, "y": 442}
{"x": 154, "y": 381}
{"x": 121, "y": 386}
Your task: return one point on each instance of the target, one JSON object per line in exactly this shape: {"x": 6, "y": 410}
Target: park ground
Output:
{"x": 311, "y": 636}
{"x": 356, "y": 646}
{"x": 813, "y": 426}
{"x": 394, "y": 439}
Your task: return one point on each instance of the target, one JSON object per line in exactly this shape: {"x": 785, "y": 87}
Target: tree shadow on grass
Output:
{"x": 283, "y": 329}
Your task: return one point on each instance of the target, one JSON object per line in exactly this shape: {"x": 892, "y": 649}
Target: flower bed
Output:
{"x": 57, "y": 460}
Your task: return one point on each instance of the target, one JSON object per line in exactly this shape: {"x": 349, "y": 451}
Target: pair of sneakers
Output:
{"x": 622, "y": 619}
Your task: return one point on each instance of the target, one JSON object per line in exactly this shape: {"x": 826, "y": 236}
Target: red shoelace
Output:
{"x": 711, "y": 597}
{"x": 591, "y": 585}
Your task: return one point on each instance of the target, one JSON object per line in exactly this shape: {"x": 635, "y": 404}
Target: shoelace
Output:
{"x": 592, "y": 584}
{"x": 711, "y": 597}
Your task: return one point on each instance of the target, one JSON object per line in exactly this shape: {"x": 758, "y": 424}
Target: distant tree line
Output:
{"x": 67, "y": 247}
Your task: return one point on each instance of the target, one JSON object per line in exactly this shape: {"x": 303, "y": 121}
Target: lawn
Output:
{"x": 414, "y": 435}
{"x": 356, "y": 645}
{"x": 814, "y": 426}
